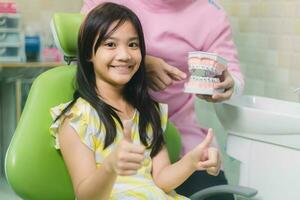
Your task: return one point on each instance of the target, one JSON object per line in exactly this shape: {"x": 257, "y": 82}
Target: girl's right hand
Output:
{"x": 160, "y": 74}
{"x": 127, "y": 158}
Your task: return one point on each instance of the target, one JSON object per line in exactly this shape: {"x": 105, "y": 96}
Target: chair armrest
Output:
{"x": 232, "y": 189}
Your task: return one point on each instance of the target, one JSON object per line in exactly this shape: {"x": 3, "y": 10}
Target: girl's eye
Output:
{"x": 110, "y": 44}
{"x": 134, "y": 44}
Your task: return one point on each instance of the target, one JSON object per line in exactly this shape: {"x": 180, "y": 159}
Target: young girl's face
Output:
{"x": 118, "y": 57}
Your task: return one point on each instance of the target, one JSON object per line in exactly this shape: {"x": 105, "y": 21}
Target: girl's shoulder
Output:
{"x": 83, "y": 104}
{"x": 81, "y": 107}
{"x": 82, "y": 118}
{"x": 80, "y": 111}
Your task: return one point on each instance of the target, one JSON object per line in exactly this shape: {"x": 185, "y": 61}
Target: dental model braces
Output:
{"x": 204, "y": 68}
{"x": 214, "y": 70}
{"x": 202, "y": 72}
{"x": 204, "y": 79}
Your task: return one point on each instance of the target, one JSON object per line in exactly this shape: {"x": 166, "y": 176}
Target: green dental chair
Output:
{"x": 34, "y": 168}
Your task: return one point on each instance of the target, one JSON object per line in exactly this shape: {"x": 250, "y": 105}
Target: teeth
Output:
{"x": 195, "y": 66}
{"x": 203, "y": 72}
{"x": 123, "y": 66}
{"x": 205, "y": 79}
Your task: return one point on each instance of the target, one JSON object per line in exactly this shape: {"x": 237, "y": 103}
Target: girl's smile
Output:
{"x": 118, "y": 57}
{"x": 122, "y": 69}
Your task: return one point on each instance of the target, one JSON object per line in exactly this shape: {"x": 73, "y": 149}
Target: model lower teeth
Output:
{"x": 204, "y": 68}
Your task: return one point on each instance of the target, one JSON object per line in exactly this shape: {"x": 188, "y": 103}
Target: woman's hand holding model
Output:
{"x": 227, "y": 83}
{"x": 160, "y": 74}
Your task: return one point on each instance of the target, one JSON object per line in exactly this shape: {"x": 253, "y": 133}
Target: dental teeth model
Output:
{"x": 205, "y": 69}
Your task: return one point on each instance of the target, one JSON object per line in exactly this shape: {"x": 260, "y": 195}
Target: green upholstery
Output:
{"x": 65, "y": 27}
{"x": 34, "y": 168}
{"x": 173, "y": 142}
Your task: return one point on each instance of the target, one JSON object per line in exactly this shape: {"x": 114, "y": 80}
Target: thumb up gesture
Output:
{"x": 127, "y": 158}
{"x": 204, "y": 157}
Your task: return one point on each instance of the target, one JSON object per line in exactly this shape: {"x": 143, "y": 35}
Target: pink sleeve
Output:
{"x": 221, "y": 42}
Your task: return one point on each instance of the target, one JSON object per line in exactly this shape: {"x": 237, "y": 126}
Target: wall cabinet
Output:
{"x": 11, "y": 38}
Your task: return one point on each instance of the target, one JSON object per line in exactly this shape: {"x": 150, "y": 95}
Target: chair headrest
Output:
{"x": 65, "y": 27}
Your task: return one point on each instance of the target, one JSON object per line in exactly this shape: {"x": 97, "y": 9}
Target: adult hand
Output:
{"x": 226, "y": 83}
{"x": 204, "y": 157}
{"x": 127, "y": 158}
{"x": 160, "y": 74}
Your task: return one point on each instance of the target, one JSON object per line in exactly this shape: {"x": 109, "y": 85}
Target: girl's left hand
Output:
{"x": 227, "y": 83}
{"x": 213, "y": 154}
{"x": 204, "y": 157}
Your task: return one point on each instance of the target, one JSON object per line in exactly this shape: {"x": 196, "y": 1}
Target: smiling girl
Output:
{"x": 111, "y": 133}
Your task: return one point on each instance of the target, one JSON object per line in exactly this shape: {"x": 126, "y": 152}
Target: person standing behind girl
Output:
{"x": 172, "y": 29}
{"x": 111, "y": 133}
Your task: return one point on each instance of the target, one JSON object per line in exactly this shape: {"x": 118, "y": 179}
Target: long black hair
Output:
{"x": 94, "y": 30}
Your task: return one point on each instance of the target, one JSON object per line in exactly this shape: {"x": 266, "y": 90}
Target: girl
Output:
{"x": 172, "y": 29}
{"x": 111, "y": 134}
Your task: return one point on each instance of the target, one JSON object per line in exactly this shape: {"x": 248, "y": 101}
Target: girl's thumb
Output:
{"x": 127, "y": 130}
{"x": 208, "y": 139}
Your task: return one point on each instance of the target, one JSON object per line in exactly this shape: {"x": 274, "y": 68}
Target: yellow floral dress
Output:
{"x": 85, "y": 121}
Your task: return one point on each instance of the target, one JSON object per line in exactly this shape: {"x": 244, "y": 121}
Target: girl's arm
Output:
{"x": 169, "y": 176}
{"x": 88, "y": 181}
